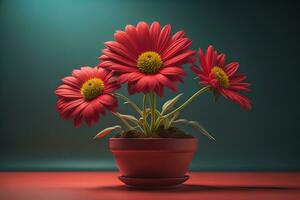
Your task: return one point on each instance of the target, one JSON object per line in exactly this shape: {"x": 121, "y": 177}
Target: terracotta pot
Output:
{"x": 153, "y": 161}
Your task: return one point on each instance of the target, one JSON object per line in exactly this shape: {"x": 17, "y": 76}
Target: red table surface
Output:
{"x": 106, "y": 186}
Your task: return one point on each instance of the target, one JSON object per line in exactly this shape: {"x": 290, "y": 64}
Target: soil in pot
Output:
{"x": 161, "y": 132}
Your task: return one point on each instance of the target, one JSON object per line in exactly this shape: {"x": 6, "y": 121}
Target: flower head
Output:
{"x": 86, "y": 94}
{"x": 148, "y": 58}
{"x": 222, "y": 77}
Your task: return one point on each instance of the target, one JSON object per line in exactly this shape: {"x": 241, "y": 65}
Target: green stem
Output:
{"x": 190, "y": 100}
{"x": 124, "y": 121}
{"x": 144, "y": 115}
{"x": 153, "y": 108}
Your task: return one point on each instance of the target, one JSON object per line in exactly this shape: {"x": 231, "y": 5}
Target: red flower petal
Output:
{"x": 237, "y": 78}
{"x": 210, "y": 56}
{"x": 221, "y": 60}
{"x": 195, "y": 69}
{"x": 154, "y": 35}
{"x": 68, "y": 92}
{"x": 123, "y": 68}
{"x": 121, "y": 50}
{"x": 240, "y": 86}
{"x": 103, "y": 58}
{"x": 89, "y": 71}
{"x": 105, "y": 64}
{"x": 200, "y": 74}
{"x": 164, "y": 38}
{"x": 69, "y": 107}
{"x": 132, "y": 36}
{"x": 123, "y": 78}
{"x": 98, "y": 106}
{"x": 108, "y": 101}
{"x": 134, "y": 76}
{"x": 146, "y": 84}
{"x": 89, "y": 114}
{"x": 119, "y": 58}
{"x": 236, "y": 97}
{"x": 102, "y": 73}
{"x": 72, "y": 81}
{"x": 176, "y": 47}
{"x": 60, "y": 104}
{"x": 159, "y": 90}
{"x": 127, "y": 39}
{"x": 178, "y": 35}
{"x": 78, "y": 121}
{"x": 167, "y": 82}
{"x": 173, "y": 71}
{"x": 80, "y": 75}
{"x": 132, "y": 87}
{"x": 231, "y": 68}
{"x": 111, "y": 88}
{"x": 176, "y": 59}
{"x": 77, "y": 111}
{"x": 144, "y": 36}
{"x": 203, "y": 63}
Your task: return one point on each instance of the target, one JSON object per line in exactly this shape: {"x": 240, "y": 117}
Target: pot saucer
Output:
{"x": 153, "y": 183}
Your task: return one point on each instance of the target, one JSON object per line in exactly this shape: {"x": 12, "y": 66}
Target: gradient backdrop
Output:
{"x": 42, "y": 41}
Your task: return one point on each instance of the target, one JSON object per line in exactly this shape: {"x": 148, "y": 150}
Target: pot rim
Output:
{"x": 194, "y": 138}
{"x": 153, "y": 144}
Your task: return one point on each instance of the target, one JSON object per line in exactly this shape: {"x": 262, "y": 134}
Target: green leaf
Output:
{"x": 196, "y": 126}
{"x": 130, "y": 118}
{"x": 106, "y": 131}
{"x": 156, "y": 112}
{"x": 201, "y": 129}
{"x": 129, "y": 102}
{"x": 175, "y": 115}
{"x": 170, "y": 103}
{"x": 169, "y": 120}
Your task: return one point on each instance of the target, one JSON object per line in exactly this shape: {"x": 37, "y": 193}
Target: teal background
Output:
{"x": 42, "y": 41}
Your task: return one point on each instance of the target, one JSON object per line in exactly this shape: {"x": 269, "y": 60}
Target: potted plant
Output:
{"x": 150, "y": 149}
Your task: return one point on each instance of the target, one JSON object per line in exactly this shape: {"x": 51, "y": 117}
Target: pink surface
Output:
{"x": 105, "y": 185}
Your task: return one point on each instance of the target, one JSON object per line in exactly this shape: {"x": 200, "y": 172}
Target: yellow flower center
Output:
{"x": 92, "y": 88}
{"x": 149, "y": 62}
{"x": 221, "y": 76}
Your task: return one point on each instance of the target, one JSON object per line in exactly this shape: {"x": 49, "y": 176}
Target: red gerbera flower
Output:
{"x": 221, "y": 77}
{"x": 86, "y": 94}
{"x": 148, "y": 58}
